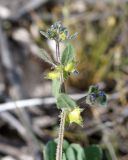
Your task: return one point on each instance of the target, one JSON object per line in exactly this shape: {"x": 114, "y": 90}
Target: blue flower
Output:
{"x": 96, "y": 96}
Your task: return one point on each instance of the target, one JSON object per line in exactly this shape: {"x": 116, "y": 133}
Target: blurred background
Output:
{"x": 28, "y": 116}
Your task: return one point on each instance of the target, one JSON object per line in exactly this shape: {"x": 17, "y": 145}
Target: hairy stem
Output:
{"x": 60, "y": 136}
{"x": 57, "y": 52}
{"x": 59, "y": 149}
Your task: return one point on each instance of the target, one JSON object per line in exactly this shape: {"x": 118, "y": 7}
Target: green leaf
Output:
{"x": 70, "y": 154}
{"x": 65, "y": 145}
{"x": 80, "y": 155}
{"x": 106, "y": 154}
{"x": 44, "y": 34}
{"x": 67, "y": 55}
{"x": 64, "y": 157}
{"x": 45, "y": 56}
{"x": 50, "y": 151}
{"x": 65, "y": 74}
{"x": 64, "y": 101}
{"x": 93, "y": 152}
{"x": 56, "y": 87}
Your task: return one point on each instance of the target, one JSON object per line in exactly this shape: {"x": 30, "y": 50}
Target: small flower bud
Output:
{"x": 53, "y": 75}
{"x": 58, "y": 32}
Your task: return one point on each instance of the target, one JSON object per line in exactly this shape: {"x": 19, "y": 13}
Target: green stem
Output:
{"x": 59, "y": 149}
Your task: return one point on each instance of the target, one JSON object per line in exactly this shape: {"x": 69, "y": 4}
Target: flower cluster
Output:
{"x": 58, "y": 32}
{"x": 66, "y": 70}
{"x": 96, "y": 96}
